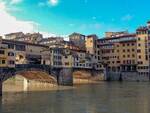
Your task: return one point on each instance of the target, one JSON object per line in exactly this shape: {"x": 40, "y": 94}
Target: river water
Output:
{"x": 113, "y": 97}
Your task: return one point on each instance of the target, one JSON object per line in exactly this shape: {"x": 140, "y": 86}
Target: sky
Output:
{"x": 63, "y": 17}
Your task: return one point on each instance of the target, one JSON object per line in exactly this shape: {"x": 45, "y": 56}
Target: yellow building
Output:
{"x": 143, "y": 50}
{"x": 119, "y": 53}
{"x": 92, "y": 47}
{"x": 67, "y": 58}
{"x": 3, "y": 54}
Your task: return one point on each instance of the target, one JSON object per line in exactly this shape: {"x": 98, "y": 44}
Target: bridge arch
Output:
{"x": 29, "y": 80}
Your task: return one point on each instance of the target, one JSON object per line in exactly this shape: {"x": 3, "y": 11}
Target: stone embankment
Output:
{"x": 85, "y": 77}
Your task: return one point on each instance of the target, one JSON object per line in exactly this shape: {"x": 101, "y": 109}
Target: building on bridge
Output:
{"x": 7, "y": 56}
{"x": 23, "y": 52}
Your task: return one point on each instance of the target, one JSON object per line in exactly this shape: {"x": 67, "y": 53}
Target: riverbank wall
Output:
{"x": 88, "y": 77}
{"x": 127, "y": 76}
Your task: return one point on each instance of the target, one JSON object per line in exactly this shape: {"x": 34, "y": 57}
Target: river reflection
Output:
{"x": 111, "y": 97}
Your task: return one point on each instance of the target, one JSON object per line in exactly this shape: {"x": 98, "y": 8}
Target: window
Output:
{"x": 139, "y": 39}
{"x": 10, "y": 46}
{"x": 133, "y": 50}
{"x": 133, "y": 55}
{"x": 11, "y": 62}
{"x": 118, "y": 61}
{"x": 20, "y": 47}
{"x": 139, "y": 51}
{"x": 67, "y": 63}
{"x": 2, "y": 52}
{"x": 139, "y": 45}
{"x": 11, "y": 54}
{"x": 146, "y": 57}
{"x": 3, "y": 61}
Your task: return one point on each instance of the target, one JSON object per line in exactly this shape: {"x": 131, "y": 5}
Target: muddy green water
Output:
{"x": 105, "y": 97}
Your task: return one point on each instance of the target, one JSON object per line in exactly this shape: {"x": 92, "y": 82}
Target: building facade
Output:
{"x": 78, "y": 40}
{"x": 119, "y": 53}
{"x": 29, "y": 37}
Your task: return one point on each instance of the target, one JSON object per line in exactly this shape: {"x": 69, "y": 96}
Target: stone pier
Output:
{"x": 65, "y": 77}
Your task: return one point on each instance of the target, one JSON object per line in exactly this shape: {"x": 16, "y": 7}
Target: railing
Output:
{"x": 33, "y": 66}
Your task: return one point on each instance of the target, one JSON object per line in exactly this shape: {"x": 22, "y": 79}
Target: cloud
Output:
{"x": 15, "y": 1}
{"x": 127, "y": 17}
{"x": 53, "y": 2}
{"x": 9, "y": 23}
{"x": 2, "y": 6}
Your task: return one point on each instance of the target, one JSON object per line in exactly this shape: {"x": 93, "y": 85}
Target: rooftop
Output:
{"x": 21, "y": 42}
{"x": 16, "y": 33}
{"x": 118, "y": 37}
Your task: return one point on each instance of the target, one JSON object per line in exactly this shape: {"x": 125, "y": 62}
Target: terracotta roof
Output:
{"x": 76, "y": 34}
{"x": 123, "y": 36}
{"x": 14, "y": 33}
{"x": 92, "y": 35}
{"x": 21, "y": 42}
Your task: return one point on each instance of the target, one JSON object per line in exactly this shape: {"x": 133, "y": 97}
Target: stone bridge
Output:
{"x": 63, "y": 76}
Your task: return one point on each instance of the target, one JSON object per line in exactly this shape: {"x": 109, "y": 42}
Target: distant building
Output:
{"x": 53, "y": 42}
{"x": 115, "y": 34}
{"x": 29, "y": 37}
{"x": 92, "y": 47}
{"x": 78, "y": 40}
{"x": 70, "y": 45}
{"x": 13, "y": 36}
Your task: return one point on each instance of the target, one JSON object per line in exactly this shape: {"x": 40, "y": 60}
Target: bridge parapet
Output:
{"x": 23, "y": 67}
